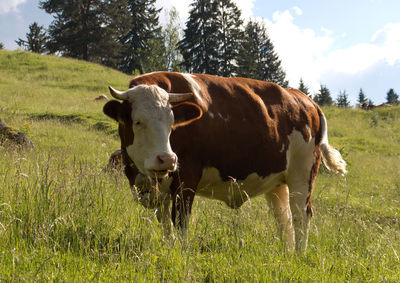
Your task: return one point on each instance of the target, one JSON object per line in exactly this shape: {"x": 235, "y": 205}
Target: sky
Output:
{"x": 343, "y": 44}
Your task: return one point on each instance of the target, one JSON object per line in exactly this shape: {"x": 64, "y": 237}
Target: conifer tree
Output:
{"x": 199, "y": 45}
{"x": 36, "y": 39}
{"x": 343, "y": 99}
{"x": 1, "y": 45}
{"x": 251, "y": 61}
{"x": 392, "y": 97}
{"x": 258, "y": 59}
{"x": 323, "y": 97}
{"x": 84, "y": 28}
{"x": 303, "y": 88}
{"x": 229, "y": 33}
{"x": 361, "y": 97}
{"x": 143, "y": 35}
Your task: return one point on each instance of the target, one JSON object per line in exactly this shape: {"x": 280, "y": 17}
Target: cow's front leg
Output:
{"x": 183, "y": 189}
{"x": 163, "y": 214}
{"x": 181, "y": 208}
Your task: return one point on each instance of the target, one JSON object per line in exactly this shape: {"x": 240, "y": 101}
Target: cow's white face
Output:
{"x": 152, "y": 120}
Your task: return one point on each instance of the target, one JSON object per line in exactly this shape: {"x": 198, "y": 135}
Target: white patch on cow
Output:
{"x": 235, "y": 192}
{"x": 300, "y": 150}
{"x": 195, "y": 86}
{"x": 309, "y": 133}
{"x": 152, "y": 120}
{"x": 211, "y": 115}
{"x": 283, "y": 148}
{"x": 300, "y": 159}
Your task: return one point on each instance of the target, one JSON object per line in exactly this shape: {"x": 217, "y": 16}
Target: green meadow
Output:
{"x": 64, "y": 218}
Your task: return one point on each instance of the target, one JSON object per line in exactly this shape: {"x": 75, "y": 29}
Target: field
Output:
{"x": 63, "y": 217}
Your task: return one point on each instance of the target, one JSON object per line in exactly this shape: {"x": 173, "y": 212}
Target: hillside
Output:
{"x": 64, "y": 218}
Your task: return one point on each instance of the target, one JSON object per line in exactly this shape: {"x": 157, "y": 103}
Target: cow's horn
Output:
{"x": 118, "y": 94}
{"x": 179, "y": 97}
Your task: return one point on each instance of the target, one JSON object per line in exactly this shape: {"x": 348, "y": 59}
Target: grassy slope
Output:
{"x": 62, "y": 217}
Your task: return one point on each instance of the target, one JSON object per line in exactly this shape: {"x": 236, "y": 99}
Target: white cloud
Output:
{"x": 299, "y": 49}
{"x": 183, "y": 7}
{"x": 306, "y": 54}
{"x": 326, "y": 31}
{"x": 9, "y": 5}
{"x": 297, "y": 10}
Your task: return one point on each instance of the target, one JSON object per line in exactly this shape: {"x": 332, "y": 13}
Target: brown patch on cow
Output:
{"x": 313, "y": 176}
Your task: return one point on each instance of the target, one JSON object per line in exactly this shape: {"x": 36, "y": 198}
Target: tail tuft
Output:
{"x": 333, "y": 159}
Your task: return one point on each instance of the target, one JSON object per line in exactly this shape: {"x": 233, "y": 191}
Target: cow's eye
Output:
{"x": 138, "y": 123}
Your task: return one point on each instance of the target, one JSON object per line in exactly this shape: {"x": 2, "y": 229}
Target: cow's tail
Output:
{"x": 331, "y": 157}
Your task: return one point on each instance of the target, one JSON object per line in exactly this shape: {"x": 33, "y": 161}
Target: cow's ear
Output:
{"x": 113, "y": 109}
{"x": 185, "y": 113}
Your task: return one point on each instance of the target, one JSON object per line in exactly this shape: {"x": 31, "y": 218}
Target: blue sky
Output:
{"x": 343, "y": 44}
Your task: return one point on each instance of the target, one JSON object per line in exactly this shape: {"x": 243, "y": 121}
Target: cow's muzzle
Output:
{"x": 164, "y": 163}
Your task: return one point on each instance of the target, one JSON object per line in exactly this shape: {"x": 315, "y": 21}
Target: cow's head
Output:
{"x": 146, "y": 116}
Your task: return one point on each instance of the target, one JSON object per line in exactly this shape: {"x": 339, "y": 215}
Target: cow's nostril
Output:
{"x": 166, "y": 161}
{"x": 160, "y": 160}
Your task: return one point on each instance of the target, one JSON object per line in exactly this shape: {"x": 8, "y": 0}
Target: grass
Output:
{"x": 64, "y": 218}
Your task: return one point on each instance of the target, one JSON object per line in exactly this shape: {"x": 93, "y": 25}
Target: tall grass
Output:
{"x": 63, "y": 217}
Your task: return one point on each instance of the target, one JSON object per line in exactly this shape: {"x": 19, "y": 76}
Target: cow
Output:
{"x": 229, "y": 139}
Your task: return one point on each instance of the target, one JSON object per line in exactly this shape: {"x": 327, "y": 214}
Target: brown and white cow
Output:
{"x": 228, "y": 139}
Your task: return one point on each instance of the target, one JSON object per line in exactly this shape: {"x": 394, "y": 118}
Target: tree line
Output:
{"x": 323, "y": 97}
{"x": 127, "y": 35}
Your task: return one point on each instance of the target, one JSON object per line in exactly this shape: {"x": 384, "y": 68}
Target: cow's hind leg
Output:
{"x": 301, "y": 179}
{"x": 278, "y": 199}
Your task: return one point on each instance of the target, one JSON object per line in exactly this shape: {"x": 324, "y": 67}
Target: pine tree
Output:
{"x": 361, "y": 97}
{"x": 1, "y": 45}
{"x": 392, "y": 97}
{"x": 251, "y": 61}
{"x": 84, "y": 29}
{"x": 109, "y": 51}
{"x": 343, "y": 99}
{"x": 199, "y": 45}
{"x": 303, "y": 88}
{"x": 229, "y": 33}
{"x": 258, "y": 59}
{"x": 36, "y": 39}
{"x": 143, "y": 35}
{"x": 323, "y": 97}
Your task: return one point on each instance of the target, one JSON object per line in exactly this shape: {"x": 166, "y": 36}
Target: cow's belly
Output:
{"x": 235, "y": 192}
